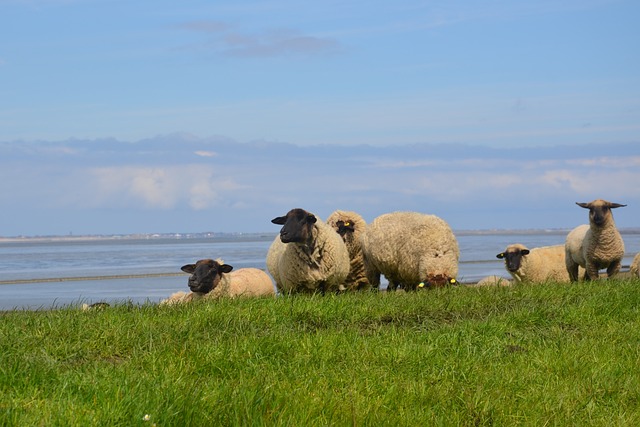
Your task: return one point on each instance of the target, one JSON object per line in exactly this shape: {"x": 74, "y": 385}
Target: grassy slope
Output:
{"x": 531, "y": 355}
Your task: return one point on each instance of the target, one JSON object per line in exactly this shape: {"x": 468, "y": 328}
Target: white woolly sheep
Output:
{"x": 634, "y": 269}
{"x": 308, "y": 255}
{"x": 350, "y": 225}
{"x": 412, "y": 250}
{"x": 596, "y": 246}
{"x": 535, "y": 265}
{"x": 573, "y": 249}
{"x": 493, "y": 281}
{"x": 214, "y": 279}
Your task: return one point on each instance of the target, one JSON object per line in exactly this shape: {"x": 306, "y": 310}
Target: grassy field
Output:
{"x": 527, "y": 355}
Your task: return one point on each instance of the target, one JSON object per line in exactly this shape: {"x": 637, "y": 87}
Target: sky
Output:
{"x": 121, "y": 117}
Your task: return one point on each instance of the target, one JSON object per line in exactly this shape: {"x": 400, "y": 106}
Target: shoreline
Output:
{"x": 263, "y": 235}
{"x": 87, "y": 278}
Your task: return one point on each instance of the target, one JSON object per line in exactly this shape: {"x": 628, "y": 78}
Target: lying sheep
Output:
{"x": 95, "y": 306}
{"x": 412, "y": 250}
{"x": 634, "y": 269}
{"x": 596, "y": 246}
{"x": 493, "y": 281}
{"x": 535, "y": 265}
{"x": 350, "y": 225}
{"x": 213, "y": 279}
{"x": 308, "y": 255}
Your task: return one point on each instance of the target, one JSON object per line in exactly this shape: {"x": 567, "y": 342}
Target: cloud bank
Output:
{"x": 181, "y": 183}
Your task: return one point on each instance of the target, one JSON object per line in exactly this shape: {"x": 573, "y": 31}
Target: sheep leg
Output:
{"x": 572, "y": 269}
{"x": 374, "y": 278}
{"x": 323, "y": 288}
{"x": 613, "y": 269}
{"x": 392, "y": 286}
{"x": 591, "y": 272}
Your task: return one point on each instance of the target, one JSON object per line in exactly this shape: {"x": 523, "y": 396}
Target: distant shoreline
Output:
{"x": 84, "y": 278}
{"x": 264, "y": 235}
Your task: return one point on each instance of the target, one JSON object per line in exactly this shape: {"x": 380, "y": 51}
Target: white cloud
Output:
{"x": 163, "y": 187}
{"x": 610, "y": 161}
{"x": 204, "y": 153}
{"x": 593, "y": 184}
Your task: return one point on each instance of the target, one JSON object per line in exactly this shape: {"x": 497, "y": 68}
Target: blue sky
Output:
{"x": 119, "y": 116}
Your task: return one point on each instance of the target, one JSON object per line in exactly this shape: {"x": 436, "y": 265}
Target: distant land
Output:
{"x": 266, "y": 235}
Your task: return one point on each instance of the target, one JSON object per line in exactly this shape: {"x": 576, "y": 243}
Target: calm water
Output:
{"x": 30, "y": 260}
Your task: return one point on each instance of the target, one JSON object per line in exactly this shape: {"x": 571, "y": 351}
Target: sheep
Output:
{"x": 413, "y": 250}
{"x": 307, "y": 256}
{"x": 634, "y": 269}
{"x": 493, "y": 281}
{"x": 535, "y": 265}
{"x": 596, "y": 246}
{"x": 573, "y": 245}
{"x": 213, "y": 279}
{"x": 95, "y": 306}
{"x": 350, "y": 225}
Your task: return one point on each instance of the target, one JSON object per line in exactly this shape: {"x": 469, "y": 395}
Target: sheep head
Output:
{"x": 513, "y": 256}
{"x": 599, "y": 210}
{"x": 297, "y": 225}
{"x": 205, "y": 274}
{"x": 345, "y": 227}
{"x": 437, "y": 281}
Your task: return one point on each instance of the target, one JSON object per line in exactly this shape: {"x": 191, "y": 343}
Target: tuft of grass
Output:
{"x": 549, "y": 354}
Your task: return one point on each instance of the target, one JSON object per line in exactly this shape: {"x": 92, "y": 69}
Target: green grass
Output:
{"x": 527, "y": 355}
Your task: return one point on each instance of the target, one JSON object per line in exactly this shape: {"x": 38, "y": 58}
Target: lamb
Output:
{"x": 596, "y": 246}
{"x": 634, "y": 269}
{"x": 412, "y": 250}
{"x": 308, "y": 255}
{"x": 350, "y": 225}
{"x": 213, "y": 279}
{"x": 535, "y": 265}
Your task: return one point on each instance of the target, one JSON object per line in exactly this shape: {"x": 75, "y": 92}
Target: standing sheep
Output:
{"x": 350, "y": 226}
{"x": 596, "y": 246}
{"x": 209, "y": 279}
{"x": 535, "y": 265}
{"x": 634, "y": 269}
{"x": 412, "y": 250}
{"x": 308, "y": 255}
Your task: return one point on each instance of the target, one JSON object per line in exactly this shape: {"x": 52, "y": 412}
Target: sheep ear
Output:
{"x": 524, "y": 251}
{"x": 311, "y": 219}
{"x": 279, "y": 220}
{"x": 616, "y": 205}
{"x": 584, "y": 205}
{"x": 189, "y": 268}
{"x": 500, "y": 255}
{"x": 225, "y": 268}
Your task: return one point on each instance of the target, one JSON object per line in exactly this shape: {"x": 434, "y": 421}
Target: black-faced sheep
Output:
{"x": 596, "y": 246}
{"x": 308, "y": 255}
{"x": 535, "y": 265}
{"x": 214, "y": 279}
{"x": 350, "y": 225}
{"x": 412, "y": 250}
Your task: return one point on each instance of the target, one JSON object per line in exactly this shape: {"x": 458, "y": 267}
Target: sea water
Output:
{"x": 37, "y": 273}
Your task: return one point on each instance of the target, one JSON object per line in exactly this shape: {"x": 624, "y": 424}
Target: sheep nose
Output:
{"x": 284, "y": 237}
